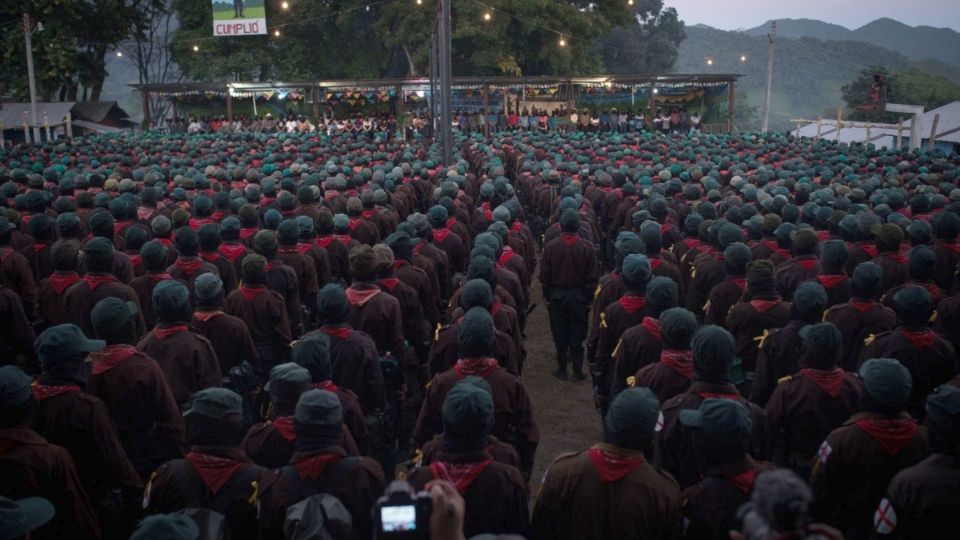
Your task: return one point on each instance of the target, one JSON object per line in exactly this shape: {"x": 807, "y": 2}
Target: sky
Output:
{"x": 734, "y": 14}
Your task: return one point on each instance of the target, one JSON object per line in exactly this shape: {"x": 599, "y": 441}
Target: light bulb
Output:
{"x": 285, "y": 5}
{"x": 486, "y": 16}
{"x": 196, "y": 48}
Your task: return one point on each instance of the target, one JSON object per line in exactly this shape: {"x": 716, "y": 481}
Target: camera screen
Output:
{"x": 398, "y": 518}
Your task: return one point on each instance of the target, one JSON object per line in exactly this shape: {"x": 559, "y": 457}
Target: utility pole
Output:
{"x": 433, "y": 81}
{"x": 446, "y": 82}
{"x": 772, "y": 37}
{"x": 32, "y": 82}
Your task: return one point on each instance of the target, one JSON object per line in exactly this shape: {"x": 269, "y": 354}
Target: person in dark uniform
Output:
{"x": 32, "y": 467}
{"x": 154, "y": 256}
{"x": 728, "y": 292}
{"x": 263, "y": 311}
{"x": 833, "y": 277}
{"x": 610, "y": 490}
{"x": 780, "y": 348}
{"x": 361, "y": 229}
{"x": 210, "y": 241}
{"x": 189, "y": 265}
{"x": 38, "y": 253}
{"x": 721, "y": 429}
{"x": 215, "y": 474}
{"x": 921, "y": 266}
{"x": 66, "y": 415}
{"x": 228, "y": 335}
{"x": 804, "y": 265}
{"x": 317, "y": 255}
{"x": 807, "y": 405}
{"x": 495, "y": 493}
{"x": 446, "y": 350}
{"x": 513, "y": 416}
{"x": 922, "y": 500}
{"x": 98, "y": 283}
{"x": 415, "y": 332}
{"x": 929, "y": 356}
{"x": 760, "y": 310}
{"x": 854, "y": 464}
{"x": 708, "y": 268}
{"x": 673, "y": 373}
{"x": 232, "y": 248}
{"x": 271, "y": 443}
{"x": 17, "y": 335}
{"x": 450, "y": 242}
{"x": 568, "y": 272}
{"x": 371, "y": 310}
{"x": 313, "y": 353}
{"x": 321, "y": 465}
{"x": 65, "y": 258}
{"x": 862, "y": 316}
{"x": 713, "y": 356}
{"x": 616, "y": 318}
{"x": 280, "y": 278}
{"x": 102, "y": 226}
{"x": 288, "y": 235}
{"x": 187, "y": 358}
{"x": 946, "y": 227}
{"x": 889, "y": 257}
{"x": 353, "y": 353}
{"x": 134, "y": 389}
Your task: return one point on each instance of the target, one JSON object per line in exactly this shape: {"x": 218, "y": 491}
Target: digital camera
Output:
{"x": 403, "y": 513}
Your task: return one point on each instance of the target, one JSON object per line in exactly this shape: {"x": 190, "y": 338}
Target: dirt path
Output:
{"x": 564, "y": 410}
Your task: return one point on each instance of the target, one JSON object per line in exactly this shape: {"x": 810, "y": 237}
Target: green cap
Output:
{"x": 724, "y": 419}
{"x": 635, "y": 411}
{"x": 313, "y": 353}
{"x": 64, "y": 342}
{"x": 166, "y": 527}
{"x": 943, "y": 412}
{"x": 636, "y": 269}
{"x": 886, "y": 381}
{"x": 19, "y": 517}
{"x": 475, "y": 336}
{"x": 287, "y": 382}
{"x": 98, "y": 249}
{"x": 217, "y": 403}
{"x": 318, "y": 408}
{"x": 14, "y": 387}
{"x": 332, "y": 305}
{"x": 110, "y": 314}
{"x": 476, "y": 292}
{"x": 207, "y": 286}
{"x": 5, "y": 225}
{"x": 170, "y": 297}
{"x": 468, "y": 407}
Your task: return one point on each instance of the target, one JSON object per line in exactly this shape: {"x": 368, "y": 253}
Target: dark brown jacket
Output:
{"x": 748, "y": 320}
{"x": 856, "y": 321}
{"x": 229, "y": 336}
{"x": 80, "y": 299}
{"x": 187, "y": 359}
{"x": 924, "y": 499}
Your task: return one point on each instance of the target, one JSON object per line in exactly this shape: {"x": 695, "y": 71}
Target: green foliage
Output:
{"x": 909, "y": 86}
{"x": 647, "y": 47}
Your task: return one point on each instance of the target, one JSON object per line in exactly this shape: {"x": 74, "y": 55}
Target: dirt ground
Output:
{"x": 564, "y": 410}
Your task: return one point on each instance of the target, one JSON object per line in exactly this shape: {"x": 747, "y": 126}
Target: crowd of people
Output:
{"x": 419, "y": 124}
{"x": 251, "y": 334}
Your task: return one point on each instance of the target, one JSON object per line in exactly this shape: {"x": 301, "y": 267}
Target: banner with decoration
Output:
{"x": 239, "y": 18}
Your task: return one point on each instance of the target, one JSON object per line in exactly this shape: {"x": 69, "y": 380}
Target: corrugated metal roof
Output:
{"x": 12, "y": 114}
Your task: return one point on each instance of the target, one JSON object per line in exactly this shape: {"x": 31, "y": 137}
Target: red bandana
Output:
{"x": 44, "y": 391}
{"x": 570, "y": 239}
{"x": 324, "y": 242}
{"x": 451, "y": 222}
{"x": 651, "y": 325}
{"x": 390, "y": 283}
{"x": 344, "y": 239}
{"x": 480, "y": 367}
{"x": 210, "y": 257}
{"x": 399, "y": 263}
{"x": 312, "y": 467}
{"x": 164, "y": 333}
{"x": 160, "y": 277}
{"x": 516, "y": 227}
{"x": 461, "y": 475}
{"x": 284, "y": 426}
{"x": 247, "y": 232}
{"x": 679, "y": 360}
{"x": 204, "y": 316}
{"x": 327, "y": 385}
{"x": 353, "y": 223}
{"x": 188, "y": 266}
{"x": 368, "y": 214}
{"x": 863, "y": 306}
{"x": 921, "y": 339}
{"x": 612, "y": 467}
{"x": 744, "y": 481}
{"x": 773, "y": 246}
{"x": 740, "y": 282}
{"x": 691, "y": 242}
{"x": 60, "y": 282}
{"x": 655, "y": 263}
{"x": 215, "y": 471}
{"x": 506, "y": 256}
{"x": 303, "y": 248}
{"x": 439, "y": 235}
{"x": 631, "y": 304}
{"x": 830, "y": 382}
{"x": 108, "y": 358}
{"x": 196, "y": 223}
{"x": 95, "y": 281}
{"x": 232, "y": 251}
{"x": 952, "y": 246}
{"x": 830, "y": 281}
{"x": 342, "y": 332}
{"x": 808, "y": 264}
{"x": 764, "y": 306}
{"x": 359, "y": 297}
{"x": 249, "y": 293}
{"x": 892, "y": 434}
{"x": 39, "y": 246}
{"x": 136, "y": 259}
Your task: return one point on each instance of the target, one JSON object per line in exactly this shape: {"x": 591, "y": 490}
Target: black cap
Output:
{"x": 713, "y": 354}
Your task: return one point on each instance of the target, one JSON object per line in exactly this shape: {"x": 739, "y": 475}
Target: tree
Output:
{"x": 149, "y": 47}
{"x": 909, "y": 86}
{"x": 647, "y": 46}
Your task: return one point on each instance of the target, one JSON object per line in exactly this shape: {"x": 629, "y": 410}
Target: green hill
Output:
{"x": 808, "y": 72}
